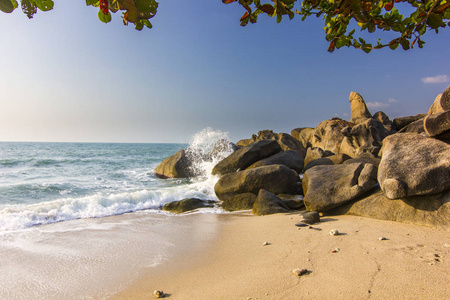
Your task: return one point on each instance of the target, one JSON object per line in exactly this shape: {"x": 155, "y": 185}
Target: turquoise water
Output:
{"x": 43, "y": 183}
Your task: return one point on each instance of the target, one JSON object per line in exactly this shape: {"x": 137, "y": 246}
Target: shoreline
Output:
{"x": 412, "y": 263}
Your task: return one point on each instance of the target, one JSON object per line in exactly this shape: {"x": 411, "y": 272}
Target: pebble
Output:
{"x": 334, "y": 232}
{"x": 382, "y": 238}
{"x": 301, "y": 225}
{"x": 158, "y": 294}
{"x": 300, "y": 272}
{"x": 266, "y": 243}
{"x": 335, "y": 250}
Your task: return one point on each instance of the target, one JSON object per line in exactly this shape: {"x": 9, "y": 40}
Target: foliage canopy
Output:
{"x": 408, "y": 20}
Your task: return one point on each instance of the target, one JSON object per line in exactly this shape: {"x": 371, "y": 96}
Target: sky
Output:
{"x": 67, "y": 77}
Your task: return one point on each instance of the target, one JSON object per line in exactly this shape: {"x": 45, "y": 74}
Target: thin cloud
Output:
{"x": 436, "y": 79}
{"x": 392, "y": 100}
{"x": 377, "y": 104}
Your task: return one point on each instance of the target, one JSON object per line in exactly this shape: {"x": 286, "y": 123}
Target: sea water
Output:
{"x": 78, "y": 218}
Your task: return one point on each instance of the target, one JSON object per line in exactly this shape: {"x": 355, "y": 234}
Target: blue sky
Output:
{"x": 65, "y": 76}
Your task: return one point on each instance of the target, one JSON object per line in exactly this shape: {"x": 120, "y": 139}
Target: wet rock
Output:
{"x": 175, "y": 166}
{"x": 267, "y": 203}
{"x": 243, "y": 201}
{"x": 244, "y": 157}
{"x": 187, "y": 205}
{"x": 277, "y": 179}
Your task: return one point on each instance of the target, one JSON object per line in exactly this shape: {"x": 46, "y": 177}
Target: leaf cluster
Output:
{"x": 343, "y": 17}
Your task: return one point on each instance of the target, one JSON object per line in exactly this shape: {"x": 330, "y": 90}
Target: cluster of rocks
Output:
{"x": 369, "y": 166}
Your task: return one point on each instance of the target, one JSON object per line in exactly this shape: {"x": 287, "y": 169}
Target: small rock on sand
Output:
{"x": 158, "y": 294}
{"x": 300, "y": 272}
{"x": 334, "y": 232}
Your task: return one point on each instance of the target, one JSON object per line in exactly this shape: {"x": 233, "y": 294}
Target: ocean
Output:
{"x": 69, "y": 213}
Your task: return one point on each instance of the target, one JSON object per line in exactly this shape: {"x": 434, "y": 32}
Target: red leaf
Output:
{"x": 228, "y": 1}
{"x": 244, "y": 16}
{"x": 268, "y": 9}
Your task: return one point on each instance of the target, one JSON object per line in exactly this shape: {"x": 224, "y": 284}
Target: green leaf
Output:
{"x": 394, "y": 46}
{"x": 104, "y": 18}
{"x": 92, "y": 2}
{"x": 8, "y": 6}
{"x": 146, "y": 6}
{"x": 435, "y": 21}
{"x": 44, "y": 5}
{"x": 279, "y": 17}
{"x": 405, "y": 44}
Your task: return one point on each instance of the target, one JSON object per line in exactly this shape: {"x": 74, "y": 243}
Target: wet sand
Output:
{"x": 411, "y": 263}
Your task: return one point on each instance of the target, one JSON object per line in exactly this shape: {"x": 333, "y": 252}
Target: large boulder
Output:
{"x": 239, "y": 202}
{"x": 437, "y": 124}
{"x": 412, "y": 164}
{"x": 364, "y": 137}
{"x": 277, "y": 179}
{"x": 290, "y": 158}
{"x": 220, "y": 147}
{"x": 359, "y": 110}
{"x": 187, "y": 205}
{"x": 402, "y": 122}
{"x": 365, "y": 158}
{"x": 267, "y": 204}
{"x": 441, "y": 103}
{"x": 286, "y": 141}
{"x": 414, "y": 127}
{"x": 303, "y": 135}
{"x": 326, "y": 187}
{"x": 328, "y": 136}
{"x": 336, "y": 159}
{"x": 175, "y": 166}
{"x": 245, "y": 157}
{"x": 428, "y": 210}
{"x": 315, "y": 153}
{"x": 387, "y": 123}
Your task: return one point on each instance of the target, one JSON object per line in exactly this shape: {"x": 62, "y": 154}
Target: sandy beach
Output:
{"x": 410, "y": 263}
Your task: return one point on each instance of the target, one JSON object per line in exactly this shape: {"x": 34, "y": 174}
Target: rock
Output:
{"x": 286, "y": 141}
{"x": 412, "y": 164}
{"x": 382, "y": 238}
{"x": 243, "y": 201}
{"x": 277, "y": 179}
{"x": 187, "y": 205}
{"x": 294, "y": 202}
{"x": 328, "y": 136}
{"x": 405, "y": 121}
{"x": 158, "y": 294}
{"x": 267, "y": 203}
{"x": 222, "y": 146}
{"x": 311, "y": 217}
{"x": 314, "y": 153}
{"x": 244, "y": 157}
{"x": 359, "y": 110}
{"x": 300, "y": 272}
{"x": 291, "y": 159}
{"x": 303, "y": 135}
{"x": 441, "y": 103}
{"x": 364, "y": 137}
{"x": 326, "y": 187}
{"x": 414, "y": 127}
{"x": 266, "y": 244}
{"x": 334, "y": 232}
{"x": 175, "y": 166}
{"x": 387, "y": 123}
{"x": 329, "y": 160}
{"x": 365, "y": 158}
{"x": 437, "y": 124}
{"x": 428, "y": 210}
{"x": 245, "y": 142}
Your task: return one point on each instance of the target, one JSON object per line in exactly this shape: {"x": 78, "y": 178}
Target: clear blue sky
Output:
{"x": 65, "y": 76}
